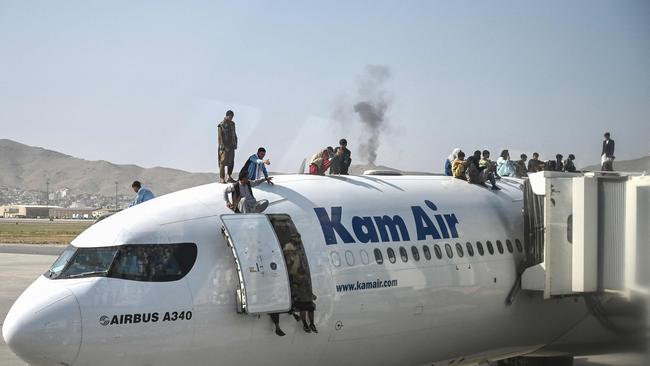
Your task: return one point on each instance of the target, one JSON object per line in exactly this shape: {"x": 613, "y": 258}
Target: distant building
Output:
{"x": 72, "y": 213}
{"x": 26, "y": 211}
{"x": 101, "y": 212}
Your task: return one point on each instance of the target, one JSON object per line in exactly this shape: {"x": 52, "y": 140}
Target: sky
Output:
{"x": 147, "y": 82}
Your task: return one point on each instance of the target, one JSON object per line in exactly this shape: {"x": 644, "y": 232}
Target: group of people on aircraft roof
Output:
{"x": 479, "y": 169}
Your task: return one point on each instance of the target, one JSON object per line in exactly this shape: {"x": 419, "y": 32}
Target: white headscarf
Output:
{"x": 454, "y": 154}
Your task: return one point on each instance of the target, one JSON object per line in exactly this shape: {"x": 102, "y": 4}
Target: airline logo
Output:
{"x": 372, "y": 229}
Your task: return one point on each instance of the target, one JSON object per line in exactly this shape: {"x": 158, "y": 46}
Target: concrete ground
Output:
{"x": 21, "y": 264}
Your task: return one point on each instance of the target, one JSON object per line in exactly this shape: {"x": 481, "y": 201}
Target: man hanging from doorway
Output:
{"x": 301, "y": 292}
{"x": 227, "y": 146}
{"x": 243, "y": 200}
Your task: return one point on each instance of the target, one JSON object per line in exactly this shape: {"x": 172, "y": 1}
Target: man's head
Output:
{"x": 607, "y": 135}
{"x": 486, "y": 154}
{"x": 477, "y": 155}
{"x": 343, "y": 142}
{"x": 535, "y": 156}
{"x": 558, "y": 157}
{"x": 243, "y": 177}
{"x": 136, "y": 186}
{"x": 523, "y": 157}
{"x": 230, "y": 115}
{"x": 261, "y": 153}
{"x": 505, "y": 154}
{"x": 461, "y": 155}
{"x": 572, "y": 157}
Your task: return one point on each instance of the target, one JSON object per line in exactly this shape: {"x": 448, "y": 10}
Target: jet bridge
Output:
{"x": 587, "y": 233}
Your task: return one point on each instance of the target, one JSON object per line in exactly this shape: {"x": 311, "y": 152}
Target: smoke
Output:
{"x": 370, "y": 106}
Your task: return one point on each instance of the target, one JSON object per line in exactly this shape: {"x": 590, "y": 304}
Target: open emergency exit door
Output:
{"x": 263, "y": 279}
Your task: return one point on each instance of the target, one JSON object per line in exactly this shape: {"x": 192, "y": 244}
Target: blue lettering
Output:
{"x": 330, "y": 226}
{"x": 423, "y": 224}
{"x": 452, "y": 221}
{"x": 392, "y": 224}
{"x": 361, "y": 223}
{"x": 443, "y": 227}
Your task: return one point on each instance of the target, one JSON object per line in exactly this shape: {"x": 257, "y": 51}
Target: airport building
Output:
{"x": 25, "y": 211}
{"x": 72, "y": 213}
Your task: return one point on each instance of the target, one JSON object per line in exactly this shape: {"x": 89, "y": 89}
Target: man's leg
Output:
{"x": 242, "y": 206}
{"x": 222, "y": 174}
{"x": 261, "y": 205}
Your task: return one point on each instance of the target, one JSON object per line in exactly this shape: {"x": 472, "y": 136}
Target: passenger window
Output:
{"x": 379, "y": 258}
{"x": 391, "y": 255}
{"x": 427, "y": 252}
{"x": 519, "y": 246}
{"x": 459, "y": 250}
{"x": 349, "y": 258}
{"x": 470, "y": 249}
{"x": 450, "y": 253}
{"x": 364, "y": 256}
{"x": 479, "y": 248}
{"x": 490, "y": 247}
{"x": 403, "y": 254}
{"x": 436, "y": 248}
{"x": 509, "y": 245}
{"x": 416, "y": 253}
{"x": 499, "y": 246}
{"x": 336, "y": 259}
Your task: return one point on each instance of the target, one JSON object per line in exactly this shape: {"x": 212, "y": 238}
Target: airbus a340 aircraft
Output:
{"x": 406, "y": 270}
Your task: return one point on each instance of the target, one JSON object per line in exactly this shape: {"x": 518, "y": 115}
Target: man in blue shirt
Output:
{"x": 142, "y": 193}
{"x": 256, "y": 165}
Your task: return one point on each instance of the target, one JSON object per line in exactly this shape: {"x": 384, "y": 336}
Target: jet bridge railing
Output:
{"x": 587, "y": 233}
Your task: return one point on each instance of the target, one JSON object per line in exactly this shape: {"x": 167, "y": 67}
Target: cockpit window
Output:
{"x": 137, "y": 262}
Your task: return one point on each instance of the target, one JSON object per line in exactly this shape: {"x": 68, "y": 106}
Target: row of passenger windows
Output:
{"x": 449, "y": 250}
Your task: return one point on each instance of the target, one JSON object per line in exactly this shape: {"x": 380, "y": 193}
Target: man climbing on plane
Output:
{"x": 243, "y": 200}
{"x": 255, "y": 166}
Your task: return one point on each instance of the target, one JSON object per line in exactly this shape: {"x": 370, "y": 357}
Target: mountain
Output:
{"x": 29, "y": 167}
{"x": 634, "y": 165}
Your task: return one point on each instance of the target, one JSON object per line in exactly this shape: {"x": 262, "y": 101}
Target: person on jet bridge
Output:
{"x": 243, "y": 200}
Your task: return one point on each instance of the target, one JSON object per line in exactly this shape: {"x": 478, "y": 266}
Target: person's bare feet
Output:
{"x": 221, "y": 180}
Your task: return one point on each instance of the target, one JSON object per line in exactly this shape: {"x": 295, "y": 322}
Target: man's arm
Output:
{"x": 219, "y": 136}
{"x": 234, "y": 132}
{"x": 226, "y": 192}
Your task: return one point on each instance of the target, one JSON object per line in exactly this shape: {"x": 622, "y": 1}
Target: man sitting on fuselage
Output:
{"x": 243, "y": 200}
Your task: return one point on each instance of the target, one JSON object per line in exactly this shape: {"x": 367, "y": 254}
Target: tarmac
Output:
{"x": 21, "y": 264}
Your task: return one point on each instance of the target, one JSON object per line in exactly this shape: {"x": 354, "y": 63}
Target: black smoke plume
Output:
{"x": 370, "y": 105}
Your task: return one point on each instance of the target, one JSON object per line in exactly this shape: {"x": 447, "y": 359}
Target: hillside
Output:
{"x": 29, "y": 167}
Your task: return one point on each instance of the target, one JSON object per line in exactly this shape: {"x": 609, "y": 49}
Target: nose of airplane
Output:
{"x": 43, "y": 327}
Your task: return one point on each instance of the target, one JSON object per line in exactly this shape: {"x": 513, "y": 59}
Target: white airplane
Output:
{"x": 406, "y": 270}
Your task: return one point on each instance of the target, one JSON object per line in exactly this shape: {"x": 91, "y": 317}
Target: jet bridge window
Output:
{"x": 509, "y": 245}
{"x": 490, "y": 247}
{"x": 137, "y": 262}
{"x": 391, "y": 255}
{"x": 379, "y": 258}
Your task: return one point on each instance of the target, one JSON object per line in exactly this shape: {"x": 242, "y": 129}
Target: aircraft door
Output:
{"x": 263, "y": 279}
